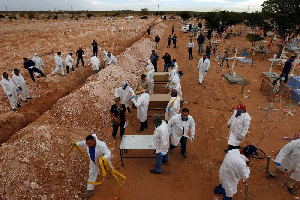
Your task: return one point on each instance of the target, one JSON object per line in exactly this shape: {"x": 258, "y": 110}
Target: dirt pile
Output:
{"x": 25, "y": 37}
{"x": 32, "y": 164}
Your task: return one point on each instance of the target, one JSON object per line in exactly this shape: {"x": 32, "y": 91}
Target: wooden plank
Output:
{"x": 160, "y": 77}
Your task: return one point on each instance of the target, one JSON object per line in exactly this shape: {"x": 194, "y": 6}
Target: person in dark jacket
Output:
{"x": 119, "y": 117}
{"x": 209, "y": 32}
{"x": 79, "y": 54}
{"x": 169, "y": 41}
{"x": 157, "y": 39}
{"x": 174, "y": 38}
{"x": 167, "y": 60}
{"x": 154, "y": 58}
{"x": 200, "y": 41}
{"x": 287, "y": 68}
{"x": 95, "y": 48}
{"x": 30, "y": 66}
{"x": 208, "y": 50}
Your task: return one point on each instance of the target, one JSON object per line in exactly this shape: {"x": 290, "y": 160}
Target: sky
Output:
{"x": 152, "y": 5}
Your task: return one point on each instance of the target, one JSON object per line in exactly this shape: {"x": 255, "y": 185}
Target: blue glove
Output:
{"x": 133, "y": 97}
{"x": 169, "y": 109}
{"x": 198, "y": 68}
{"x": 10, "y": 95}
{"x": 206, "y": 70}
{"x": 167, "y": 86}
{"x": 160, "y": 153}
{"x": 167, "y": 74}
{"x": 278, "y": 164}
{"x": 17, "y": 90}
{"x": 59, "y": 65}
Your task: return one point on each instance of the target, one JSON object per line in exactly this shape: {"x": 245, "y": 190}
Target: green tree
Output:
{"x": 89, "y": 15}
{"x": 144, "y": 11}
{"x": 283, "y": 13}
{"x": 212, "y": 20}
{"x": 185, "y": 15}
{"x": 253, "y": 38}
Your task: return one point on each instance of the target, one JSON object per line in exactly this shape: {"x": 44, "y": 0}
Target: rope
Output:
{"x": 106, "y": 170}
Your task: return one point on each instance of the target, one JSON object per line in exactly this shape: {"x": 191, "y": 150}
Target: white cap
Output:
{"x": 123, "y": 83}
{"x": 36, "y": 54}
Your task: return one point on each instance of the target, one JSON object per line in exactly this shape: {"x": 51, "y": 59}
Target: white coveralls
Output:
{"x": 150, "y": 75}
{"x": 105, "y": 57}
{"x": 112, "y": 60}
{"x": 20, "y": 82}
{"x": 176, "y": 85}
{"x": 38, "y": 64}
{"x": 233, "y": 169}
{"x": 142, "y": 106}
{"x": 101, "y": 150}
{"x": 59, "y": 65}
{"x": 10, "y": 90}
{"x": 172, "y": 74}
{"x": 174, "y": 105}
{"x": 161, "y": 138}
{"x": 179, "y": 128}
{"x": 238, "y": 128}
{"x": 289, "y": 157}
{"x": 95, "y": 63}
{"x": 69, "y": 60}
{"x": 203, "y": 67}
{"x": 125, "y": 95}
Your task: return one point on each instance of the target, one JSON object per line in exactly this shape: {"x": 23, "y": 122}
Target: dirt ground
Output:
{"x": 210, "y": 104}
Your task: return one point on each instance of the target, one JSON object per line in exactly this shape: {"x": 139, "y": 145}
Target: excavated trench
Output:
{"x": 12, "y": 123}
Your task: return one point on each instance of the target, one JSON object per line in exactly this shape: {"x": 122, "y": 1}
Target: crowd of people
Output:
{"x": 177, "y": 126}
{"x": 35, "y": 67}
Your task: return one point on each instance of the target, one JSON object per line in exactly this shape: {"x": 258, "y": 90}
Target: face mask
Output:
{"x": 124, "y": 88}
{"x": 184, "y": 118}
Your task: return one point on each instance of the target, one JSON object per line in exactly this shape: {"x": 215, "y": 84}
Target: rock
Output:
{"x": 34, "y": 185}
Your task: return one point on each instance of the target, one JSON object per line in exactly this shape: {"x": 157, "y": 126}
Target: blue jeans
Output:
{"x": 200, "y": 48}
{"x": 166, "y": 67}
{"x": 159, "y": 160}
{"x": 220, "y": 190}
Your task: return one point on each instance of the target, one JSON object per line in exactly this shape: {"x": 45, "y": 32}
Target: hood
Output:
{"x": 149, "y": 62}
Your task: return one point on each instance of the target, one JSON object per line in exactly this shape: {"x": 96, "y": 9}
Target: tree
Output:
{"x": 185, "y": 15}
{"x": 253, "y": 38}
{"x": 89, "y": 15}
{"x": 212, "y": 20}
{"x": 283, "y": 13}
{"x": 144, "y": 11}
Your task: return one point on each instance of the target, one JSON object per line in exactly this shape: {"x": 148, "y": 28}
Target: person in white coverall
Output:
{"x": 142, "y": 107}
{"x": 160, "y": 142}
{"x": 173, "y": 106}
{"x": 38, "y": 64}
{"x": 105, "y": 58}
{"x": 288, "y": 160}
{"x": 179, "y": 126}
{"x": 21, "y": 85}
{"x": 125, "y": 93}
{"x": 203, "y": 66}
{"x": 95, "y": 149}
{"x": 173, "y": 73}
{"x": 150, "y": 76}
{"x": 111, "y": 59}
{"x": 234, "y": 168}
{"x": 95, "y": 63}
{"x": 239, "y": 124}
{"x": 59, "y": 64}
{"x": 68, "y": 62}
{"x": 10, "y": 90}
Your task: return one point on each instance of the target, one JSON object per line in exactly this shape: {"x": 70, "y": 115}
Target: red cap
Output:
{"x": 241, "y": 106}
